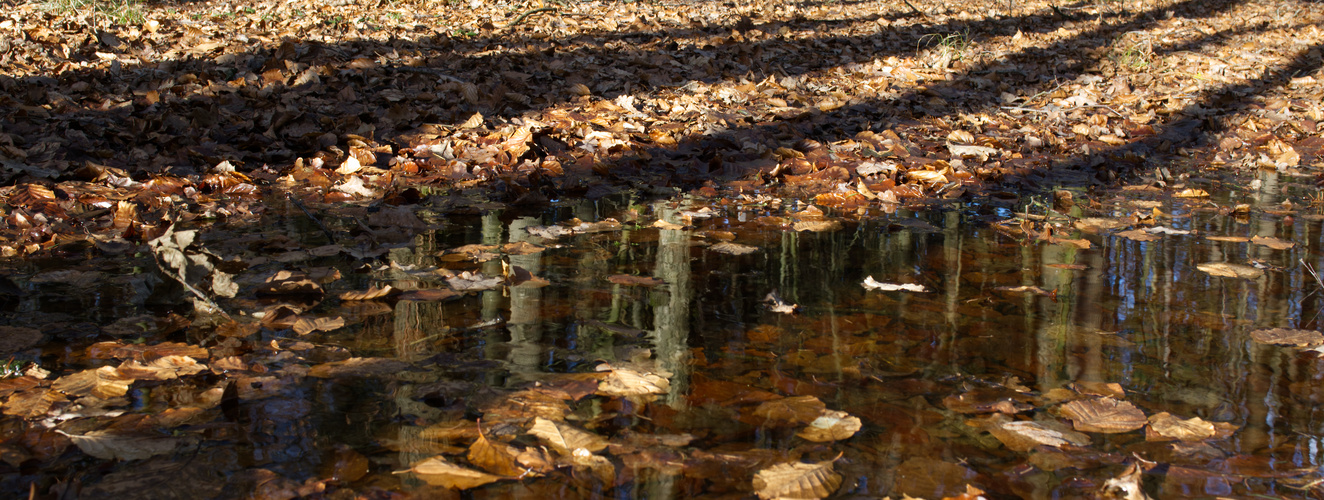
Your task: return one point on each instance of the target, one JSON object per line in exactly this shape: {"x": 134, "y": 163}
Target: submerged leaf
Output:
{"x": 564, "y": 438}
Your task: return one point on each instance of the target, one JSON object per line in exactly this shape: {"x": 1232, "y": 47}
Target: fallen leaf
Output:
{"x": 564, "y": 438}
{"x": 438, "y": 472}
{"x": 1106, "y": 415}
{"x": 1288, "y": 337}
{"x": 1227, "y": 270}
{"x": 831, "y": 425}
{"x": 872, "y": 284}
{"x": 733, "y": 248}
{"x": 1273, "y": 243}
{"x": 797, "y": 480}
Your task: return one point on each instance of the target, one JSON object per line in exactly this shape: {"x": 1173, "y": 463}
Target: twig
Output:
{"x": 917, "y": 11}
{"x": 299, "y": 204}
{"x": 525, "y": 15}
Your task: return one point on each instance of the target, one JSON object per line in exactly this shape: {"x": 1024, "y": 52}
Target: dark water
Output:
{"x": 1137, "y": 314}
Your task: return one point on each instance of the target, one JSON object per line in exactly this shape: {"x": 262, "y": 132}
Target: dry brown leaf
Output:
{"x": 564, "y": 438}
{"x": 1026, "y": 435}
{"x": 816, "y": 226}
{"x": 1138, "y": 235}
{"x": 733, "y": 248}
{"x": 289, "y": 283}
{"x": 1106, "y": 415}
{"x": 497, "y": 458}
{"x": 1273, "y": 243}
{"x": 163, "y": 368}
{"x": 439, "y": 472}
{"x": 797, "y": 480}
{"x": 1227, "y": 270}
{"x": 831, "y": 425}
{"x": 1165, "y": 427}
{"x": 1192, "y": 193}
{"x": 33, "y": 403}
{"x": 105, "y": 383}
{"x": 1288, "y": 337}
{"x": 627, "y": 382}
{"x": 369, "y": 294}
{"x": 305, "y": 326}
{"x": 792, "y": 411}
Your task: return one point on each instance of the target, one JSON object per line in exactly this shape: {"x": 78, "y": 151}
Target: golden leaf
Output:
{"x": 498, "y": 458}
{"x": 566, "y": 439}
{"x": 105, "y": 383}
{"x": 438, "y": 472}
{"x": 831, "y": 425}
{"x": 369, "y": 294}
{"x": 797, "y": 480}
{"x": 1106, "y": 415}
{"x": 1288, "y": 337}
{"x": 1227, "y": 270}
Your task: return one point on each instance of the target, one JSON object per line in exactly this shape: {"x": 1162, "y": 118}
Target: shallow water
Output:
{"x": 919, "y": 369}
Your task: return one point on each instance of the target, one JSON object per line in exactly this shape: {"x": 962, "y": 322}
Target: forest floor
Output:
{"x": 126, "y": 127}
{"x": 117, "y": 121}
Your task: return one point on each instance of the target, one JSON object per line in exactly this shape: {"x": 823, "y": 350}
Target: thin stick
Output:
{"x": 525, "y": 15}
{"x": 299, "y": 204}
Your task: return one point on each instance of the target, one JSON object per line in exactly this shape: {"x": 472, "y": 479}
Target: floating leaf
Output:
{"x": 872, "y": 284}
{"x": 1192, "y": 193}
{"x": 1288, "y": 337}
{"x": 831, "y": 425}
{"x": 305, "y": 326}
{"x": 163, "y": 368}
{"x": 1164, "y": 426}
{"x": 438, "y": 472}
{"x": 627, "y": 382}
{"x": 797, "y": 480}
{"x": 1026, "y": 435}
{"x": 733, "y": 248}
{"x": 498, "y": 458}
{"x": 105, "y": 383}
{"x": 369, "y": 294}
{"x": 1106, "y": 415}
{"x": 1226, "y": 270}
{"x": 1273, "y": 243}
{"x": 469, "y": 282}
{"x": 1138, "y": 235}
{"x": 564, "y": 438}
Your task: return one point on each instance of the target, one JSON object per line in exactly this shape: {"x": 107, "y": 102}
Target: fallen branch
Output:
{"x": 526, "y": 15}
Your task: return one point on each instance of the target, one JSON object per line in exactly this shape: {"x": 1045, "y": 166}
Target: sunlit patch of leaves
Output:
{"x": 11, "y": 367}
{"x": 122, "y": 12}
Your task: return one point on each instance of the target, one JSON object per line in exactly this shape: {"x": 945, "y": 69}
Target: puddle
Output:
{"x": 1014, "y": 324}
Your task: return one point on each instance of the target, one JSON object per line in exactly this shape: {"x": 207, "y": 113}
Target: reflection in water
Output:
{"x": 1037, "y": 323}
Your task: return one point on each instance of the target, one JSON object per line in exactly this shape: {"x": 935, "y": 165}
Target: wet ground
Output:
{"x": 1013, "y": 324}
